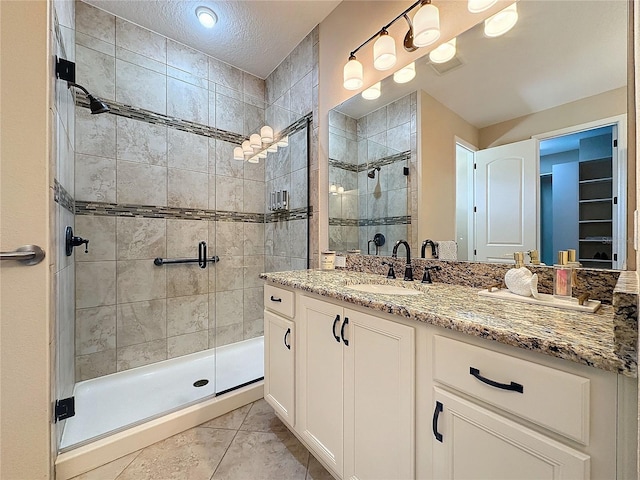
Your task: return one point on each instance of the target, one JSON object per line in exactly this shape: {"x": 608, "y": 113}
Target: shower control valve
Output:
{"x": 72, "y": 241}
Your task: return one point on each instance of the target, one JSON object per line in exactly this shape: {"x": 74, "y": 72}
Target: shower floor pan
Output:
{"x": 110, "y": 403}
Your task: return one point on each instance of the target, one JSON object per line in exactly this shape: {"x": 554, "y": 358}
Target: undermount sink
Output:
{"x": 383, "y": 289}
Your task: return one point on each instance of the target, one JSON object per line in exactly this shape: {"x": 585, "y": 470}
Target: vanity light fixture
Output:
{"x": 259, "y": 145}
{"x": 207, "y": 17}
{"x": 333, "y": 189}
{"x": 372, "y": 92}
{"x": 477, "y": 6}
{"x": 444, "y": 52}
{"x": 501, "y": 22}
{"x": 405, "y": 74}
{"x": 423, "y": 30}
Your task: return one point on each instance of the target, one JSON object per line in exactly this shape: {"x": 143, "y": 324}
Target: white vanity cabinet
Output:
{"x": 279, "y": 352}
{"x": 356, "y": 391}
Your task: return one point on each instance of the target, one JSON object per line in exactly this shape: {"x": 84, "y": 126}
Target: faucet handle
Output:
{"x": 391, "y": 273}
{"x": 426, "y": 277}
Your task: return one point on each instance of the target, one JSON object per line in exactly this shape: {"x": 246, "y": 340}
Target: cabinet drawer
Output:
{"x": 548, "y": 397}
{"x": 279, "y": 300}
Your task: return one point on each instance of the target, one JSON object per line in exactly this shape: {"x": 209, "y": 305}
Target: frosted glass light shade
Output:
{"x": 333, "y": 188}
{"x": 384, "y": 52}
{"x": 405, "y": 74}
{"x": 246, "y": 147}
{"x": 372, "y": 92}
{"x": 340, "y": 189}
{"x": 477, "y": 6}
{"x": 272, "y": 148}
{"x": 262, "y": 154}
{"x": 266, "y": 134}
{"x": 255, "y": 141}
{"x": 283, "y": 142}
{"x": 238, "y": 153}
{"x": 501, "y": 22}
{"x": 353, "y": 74}
{"x": 444, "y": 52}
{"x": 206, "y": 16}
{"x": 254, "y": 160}
{"x": 426, "y": 25}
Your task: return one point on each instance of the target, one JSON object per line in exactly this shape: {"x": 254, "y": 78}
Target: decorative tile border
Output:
{"x": 62, "y": 197}
{"x": 148, "y": 211}
{"x": 398, "y": 157}
{"x": 369, "y": 222}
{"x": 122, "y": 110}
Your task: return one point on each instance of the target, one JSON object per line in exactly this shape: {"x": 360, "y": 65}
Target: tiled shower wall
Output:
{"x": 129, "y": 311}
{"x": 62, "y": 190}
{"x": 384, "y": 139}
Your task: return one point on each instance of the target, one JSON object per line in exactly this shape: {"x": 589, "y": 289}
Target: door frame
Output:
{"x": 471, "y": 224}
{"x": 619, "y": 170}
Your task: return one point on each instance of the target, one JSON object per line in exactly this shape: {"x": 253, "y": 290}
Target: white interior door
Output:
{"x": 505, "y": 201}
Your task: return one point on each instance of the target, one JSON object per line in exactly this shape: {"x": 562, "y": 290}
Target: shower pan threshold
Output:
{"x": 110, "y": 403}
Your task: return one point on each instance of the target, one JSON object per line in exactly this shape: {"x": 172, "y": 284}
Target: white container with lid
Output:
{"x": 328, "y": 260}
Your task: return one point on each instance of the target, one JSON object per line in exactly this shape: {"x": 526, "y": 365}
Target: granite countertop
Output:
{"x": 585, "y": 338}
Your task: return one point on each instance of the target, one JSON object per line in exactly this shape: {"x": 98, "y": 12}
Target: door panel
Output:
{"x": 506, "y": 208}
{"x": 279, "y": 349}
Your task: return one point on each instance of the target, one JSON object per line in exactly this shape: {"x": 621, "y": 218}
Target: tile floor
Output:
{"x": 249, "y": 443}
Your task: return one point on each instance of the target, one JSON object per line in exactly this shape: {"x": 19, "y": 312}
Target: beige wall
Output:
{"x": 604, "y": 105}
{"x": 25, "y": 409}
{"x": 439, "y": 128}
{"x": 350, "y": 24}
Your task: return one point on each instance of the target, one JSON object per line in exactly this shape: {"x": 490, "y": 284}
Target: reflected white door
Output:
{"x": 506, "y": 206}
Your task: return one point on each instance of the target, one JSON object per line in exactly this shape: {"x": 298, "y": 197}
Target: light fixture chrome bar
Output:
{"x": 375, "y": 35}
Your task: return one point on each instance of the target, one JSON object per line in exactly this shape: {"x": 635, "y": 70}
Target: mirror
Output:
{"x": 563, "y": 65}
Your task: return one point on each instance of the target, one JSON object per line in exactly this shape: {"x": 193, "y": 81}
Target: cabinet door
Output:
{"x": 472, "y": 442}
{"x": 279, "y": 354}
{"x": 379, "y": 398}
{"x": 320, "y": 404}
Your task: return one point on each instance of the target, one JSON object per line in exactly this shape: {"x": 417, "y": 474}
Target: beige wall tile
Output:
{"x": 188, "y": 279}
{"x": 141, "y": 322}
{"x": 141, "y": 184}
{"x": 95, "y": 284}
{"x": 188, "y": 343}
{"x": 183, "y": 237}
{"x": 187, "y": 314}
{"x": 140, "y": 238}
{"x": 140, "y": 280}
{"x": 95, "y": 178}
{"x": 95, "y": 329}
{"x": 140, "y": 40}
{"x": 101, "y": 233}
{"x": 95, "y": 365}
{"x": 141, "y": 142}
{"x": 188, "y": 151}
{"x": 141, "y": 354}
{"x": 187, "y": 189}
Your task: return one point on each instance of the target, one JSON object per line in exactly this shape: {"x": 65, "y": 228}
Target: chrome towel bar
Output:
{"x": 27, "y": 255}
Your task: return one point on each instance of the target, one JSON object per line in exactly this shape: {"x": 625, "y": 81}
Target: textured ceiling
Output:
{"x": 558, "y": 52}
{"x": 254, "y": 36}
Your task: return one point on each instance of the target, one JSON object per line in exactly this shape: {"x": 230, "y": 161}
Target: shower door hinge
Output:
{"x": 65, "y": 408}
{"x": 615, "y": 142}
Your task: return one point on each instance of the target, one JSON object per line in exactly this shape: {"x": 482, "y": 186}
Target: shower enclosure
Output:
{"x": 155, "y": 180}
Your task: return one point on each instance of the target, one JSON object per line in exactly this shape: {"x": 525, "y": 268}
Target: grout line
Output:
{"x": 129, "y": 464}
{"x": 224, "y": 455}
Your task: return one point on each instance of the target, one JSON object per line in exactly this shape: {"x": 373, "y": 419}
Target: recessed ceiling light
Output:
{"x": 206, "y": 16}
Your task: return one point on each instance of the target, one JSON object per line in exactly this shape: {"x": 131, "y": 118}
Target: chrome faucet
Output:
{"x": 408, "y": 272}
{"x": 434, "y": 248}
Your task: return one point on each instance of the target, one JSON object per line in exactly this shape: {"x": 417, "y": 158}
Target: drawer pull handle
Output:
{"x": 344, "y": 324}
{"x": 275, "y": 299}
{"x": 434, "y": 422}
{"x": 513, "y": 386}
{"x": 288, "y": 332}
{"x": 335, "y": 322}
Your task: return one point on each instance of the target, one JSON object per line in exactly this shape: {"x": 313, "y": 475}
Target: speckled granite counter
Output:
{"x": 579, "y": 337}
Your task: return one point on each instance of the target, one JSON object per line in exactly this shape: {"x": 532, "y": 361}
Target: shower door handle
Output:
{"x": 202, "y": 254}
{"x": 287, "y": 333}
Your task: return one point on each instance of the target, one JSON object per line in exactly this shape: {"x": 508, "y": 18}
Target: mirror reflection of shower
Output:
{"x": 372, "y": 173}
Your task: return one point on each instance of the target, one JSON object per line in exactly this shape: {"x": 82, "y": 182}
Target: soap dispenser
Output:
{"x": 562, "y": 276}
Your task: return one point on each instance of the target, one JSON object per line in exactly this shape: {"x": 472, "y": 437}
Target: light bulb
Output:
{"x": 426, "y": 25}
{"x": 405, "y": 74}
{"x": 477, "y": 6}
{"x": 255, "y": 141}
{"x": 246, "y": 148}
{"x": 443, "y": 53}
{"x": 206, "y": 16}
{"x": 384, "y": 52}
{"x": 266, "y": 134}
{"x": 238, "y": 153}
{"x": 353, "y": 74}
{"x": 283, "y": 142}
{"x": 372, "y": 92}
{"x": 501, "y": 22}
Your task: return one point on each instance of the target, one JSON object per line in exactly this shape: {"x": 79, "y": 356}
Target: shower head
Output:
{"x": 372, "y": 173}
{"x": 95, "y": 104}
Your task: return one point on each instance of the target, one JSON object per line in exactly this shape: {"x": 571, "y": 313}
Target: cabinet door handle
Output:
{"x": 275, "y": 299}
{"x": 434, "y": 422}
{"x": 513, "y": 386}
{"x": 335, "y": 322}
{"x": 344, "y": 324}
{"x": 288, "y": 332}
